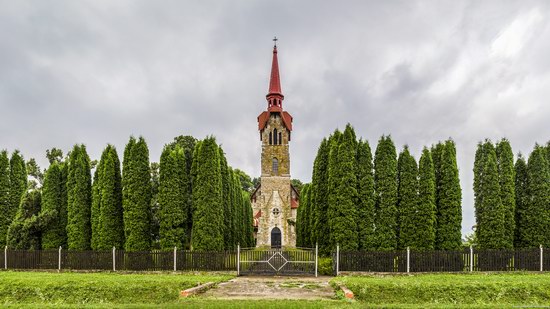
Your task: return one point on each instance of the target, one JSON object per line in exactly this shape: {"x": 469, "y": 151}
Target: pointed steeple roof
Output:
{"x": 275, "y": 80}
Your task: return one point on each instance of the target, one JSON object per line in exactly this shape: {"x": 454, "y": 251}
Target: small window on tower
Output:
{"x": 280, "y": 138}
{"x": 270, "y": 138}
{"x": 275, "y": 166}
{"x": 274, "y": 136}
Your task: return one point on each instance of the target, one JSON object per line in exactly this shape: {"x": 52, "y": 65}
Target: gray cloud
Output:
{"x": 98, "y": 71}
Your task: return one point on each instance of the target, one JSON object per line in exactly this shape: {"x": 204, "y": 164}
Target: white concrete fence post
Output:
{"x": 238, "y": 259}
{"x": 471, "y": 258}
{"x": 6, "y": 257}
{"x": 175, "y": 257}
{"x": 114, "y": 258}
{"x": 59, "y": 260}
{"x": 316, "y": 258}
{"x": 408, "y": 259}
{"x": 337, "y": 259}
{"x": 541, "y": 258}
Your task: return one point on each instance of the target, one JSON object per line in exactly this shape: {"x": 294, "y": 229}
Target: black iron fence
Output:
{"x": 468, "y": 259}
{"x": 176, "y": 260}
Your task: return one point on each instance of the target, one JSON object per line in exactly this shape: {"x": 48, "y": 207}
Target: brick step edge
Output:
{"x": 196, "y": 290}
{"x": 347, "y": 292}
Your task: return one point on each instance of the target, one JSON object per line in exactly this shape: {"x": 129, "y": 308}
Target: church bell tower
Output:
{"x": 275, "y": 201}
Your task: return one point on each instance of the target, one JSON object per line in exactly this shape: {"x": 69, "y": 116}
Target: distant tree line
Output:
{"x": 512, "y": 200}
{"x": 383, "y": 203}
{"x": 191, "y": 199}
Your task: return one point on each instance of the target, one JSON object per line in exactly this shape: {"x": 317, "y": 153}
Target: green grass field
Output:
{"x": 475, "y": 290}
{"x": 107, "y": 290}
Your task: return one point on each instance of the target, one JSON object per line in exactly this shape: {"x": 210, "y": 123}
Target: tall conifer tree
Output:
{"x": 319, "y": 184}
{"x": 227, "y": 207}
{"x": 136, "y": 196}
{"x": 490, "y": 228}
{"x": 334, "y": 175}
{"x": 303, "y": 223}
{"x": 365, "y": 197}
{"x": 426, "y": 202}
{"x": 521, "y": 194}
{"x": 24, "y": 231}
{"x": 17, "y": 187}
{"x": 79, "y": 195}
{"x": 207, "y": 199}
{"x": 173, "y": 198}
{"x": 111, "y": 214}
{"x": 505, "y": 165}
{"x": 535, "y": 228}
{"x": 342, "y": 210}
{"x": 5, "y": 205}
{"x": 385, "y": 182}
{"x": 54, "y": 205}
{"x": 449, "y": 194}
{"x": 407, "y": 201}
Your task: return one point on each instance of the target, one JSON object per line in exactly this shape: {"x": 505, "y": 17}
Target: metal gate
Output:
{"x": 277, "y": 262}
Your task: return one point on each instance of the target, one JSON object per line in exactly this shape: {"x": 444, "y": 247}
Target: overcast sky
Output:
{"x": 96, "y": 72}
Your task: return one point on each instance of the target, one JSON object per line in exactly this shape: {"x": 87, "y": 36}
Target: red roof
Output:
{"x": 275, "y": 80}
{"x": 264, "y": 117}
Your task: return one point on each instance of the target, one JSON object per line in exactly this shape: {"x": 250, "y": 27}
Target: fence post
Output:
{"x": 316, "y": 259}
{"x": 238, "y": 259}
{"x": 114, "y": 259}
{"x": 337, "y": 259}
{"x": 471, "y": 258}
{"x": 175, "y": 257}
{"x": 541, "y": 258}
{"x": 6, "y": 257}
{"x": 59, "y": 260}
{"x": 408, "y": 259}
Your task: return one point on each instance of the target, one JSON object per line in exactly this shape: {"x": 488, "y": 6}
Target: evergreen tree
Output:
{"x": 385, "y": 182}
{"x": 300, "y": 220}
{"x": 319, "y": 197}
{"x": 365, "y": 197}
{"x": 5, "y": 205}
{"x": 24, "y": 231}
{"x": 238, "y": 214}
{"x": 54, "y": 206}
{"x": 136, "y": 196}
{"x": 426, "y": 202}
{"x": 490, "y": 228}
{"x": 249, "y": 221}
{"x": 505, "y": 164}
{"x": 303, "y": 224}
{"x": 17, "y": 187}
{"x": 110, "y": 223}
{"x": 207, "y": 199}
{"x": 478, "y": 168}
{"x": 334, "y": 176}
{"x": 79, "y": 197}
{"x": 227, "y": 207}
{"x": 96, "y": 202}
{"x": 188, "y": 144}
{"x": 342, "y": 210}
{"x": 407, "y": 200}
{"x": 521, "y": 194}
{"x": 534, "y": 224}
{"x": 173, "y": 198}
{"x": 449, "y": 195}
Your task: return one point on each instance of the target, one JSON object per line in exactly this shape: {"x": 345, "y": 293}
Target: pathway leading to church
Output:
{"x": 309, "y": 288}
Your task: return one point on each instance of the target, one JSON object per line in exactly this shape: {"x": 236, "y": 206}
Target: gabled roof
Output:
{"x": 264, "y": 117}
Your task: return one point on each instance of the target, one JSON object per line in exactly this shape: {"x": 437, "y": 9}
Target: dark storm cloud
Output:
{"x": 98, "y": 71}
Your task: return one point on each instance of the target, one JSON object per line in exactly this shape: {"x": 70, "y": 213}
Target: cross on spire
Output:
{"x": 275, "y": 39}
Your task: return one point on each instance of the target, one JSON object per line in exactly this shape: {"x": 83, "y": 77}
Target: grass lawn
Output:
{"x": 447, "y": 290}
{"x": 49, "y": 288}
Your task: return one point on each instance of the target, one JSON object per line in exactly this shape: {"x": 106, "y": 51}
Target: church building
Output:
{"x": 275, "y": 200}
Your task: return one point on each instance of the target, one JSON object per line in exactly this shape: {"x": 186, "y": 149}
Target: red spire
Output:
{"x": 275, "y": 81}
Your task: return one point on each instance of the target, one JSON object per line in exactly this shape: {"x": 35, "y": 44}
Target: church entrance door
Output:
{"x": 275, "y": 238}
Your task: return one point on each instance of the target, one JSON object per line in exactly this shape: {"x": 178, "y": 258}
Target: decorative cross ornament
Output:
{"x": 275, "y": 39}
{"x": 276, "y": 212}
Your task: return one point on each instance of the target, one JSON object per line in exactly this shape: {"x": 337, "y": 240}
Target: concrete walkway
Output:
{"x": 273, "y": 288}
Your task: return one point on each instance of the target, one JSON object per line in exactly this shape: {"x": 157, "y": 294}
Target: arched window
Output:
{"x": 280, "y": 138}
{"x": 275, "y": 166}
{"x": 274, "y": 136}
{"x": 270, "y": 138}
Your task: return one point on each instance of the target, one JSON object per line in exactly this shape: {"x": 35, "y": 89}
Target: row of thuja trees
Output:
{"x": 512, "y": 200}
{"x": 383, "y": 203}
{"x": 191, "y": 200}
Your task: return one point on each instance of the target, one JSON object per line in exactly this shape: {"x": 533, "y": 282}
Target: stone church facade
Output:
{"x": 275, "y": 201}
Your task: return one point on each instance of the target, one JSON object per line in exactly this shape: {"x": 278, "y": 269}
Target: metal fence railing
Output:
{"x": 175, "y": 260}
{"x": 469, "y": 259}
